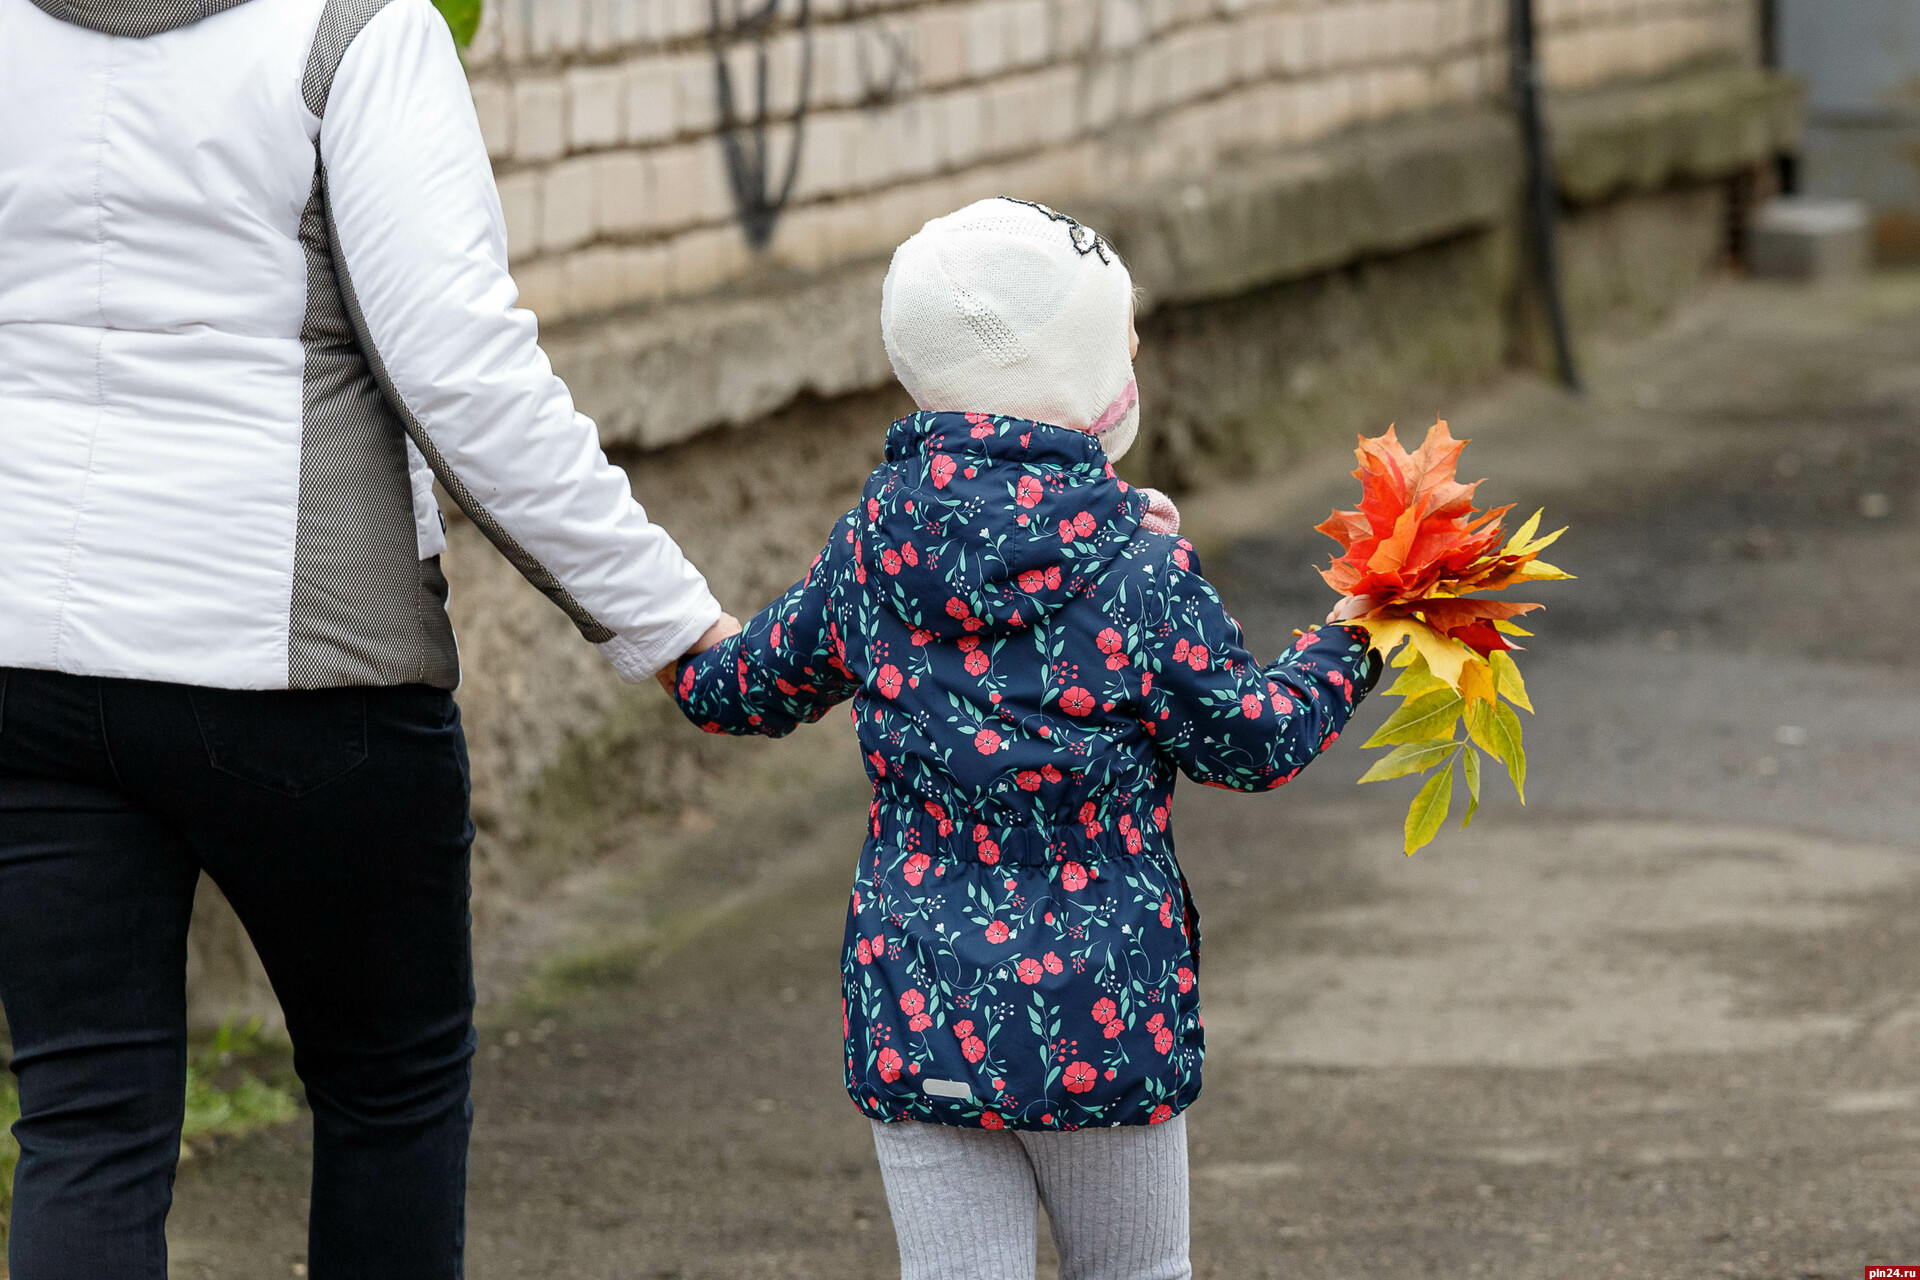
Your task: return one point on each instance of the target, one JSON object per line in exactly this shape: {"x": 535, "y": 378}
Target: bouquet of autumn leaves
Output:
{"x": 1417, "y": 554}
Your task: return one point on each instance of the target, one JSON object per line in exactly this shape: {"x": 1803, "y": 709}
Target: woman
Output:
{"x": 253, "y": 303}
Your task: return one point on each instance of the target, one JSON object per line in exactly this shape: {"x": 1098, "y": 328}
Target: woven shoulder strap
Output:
{"x": 340, "y": 22}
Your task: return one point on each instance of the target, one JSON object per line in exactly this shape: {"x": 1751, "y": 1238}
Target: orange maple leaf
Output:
{"x": 1417, "y": 545}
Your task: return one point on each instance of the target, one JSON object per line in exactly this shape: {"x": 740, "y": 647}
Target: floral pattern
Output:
{"x": 1028, "y": 669}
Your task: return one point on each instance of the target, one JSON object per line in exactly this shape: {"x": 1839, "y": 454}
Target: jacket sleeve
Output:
{"x": 1223, "y": 717}
{"x": 788, "y": 667}
{"x": 420, "y": 250}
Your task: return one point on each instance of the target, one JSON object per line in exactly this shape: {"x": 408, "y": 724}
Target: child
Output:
{"x": 1031, "y": 653}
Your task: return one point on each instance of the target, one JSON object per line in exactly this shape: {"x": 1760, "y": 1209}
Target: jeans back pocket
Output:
{"x": 289, "y": 741}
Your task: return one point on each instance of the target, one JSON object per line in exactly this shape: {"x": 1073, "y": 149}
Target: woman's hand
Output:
{"x": 727, "y": 627}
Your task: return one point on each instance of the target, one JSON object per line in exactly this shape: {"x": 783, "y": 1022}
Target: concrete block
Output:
{"x": 940, "y": 44}
{"x": 599, "y": 35}
{"x": 1057, "y": 96}
{"x": 493, "y": 104}
{"x": 557, "y": 27}
{"x": 1809, "y": 238}
{"x": 520, "y": 195}
{"x": 626, "y": 202}
{"x": 1078, "y": 27}
{"x": 1122, "y": 25}
{"x": 676, "y": 177}
{"x": 543, "y": 287}
{"x": 539, "y": 119}
{"x": 594, "y": 105}
{"x": 652, "y": 92}
{"x": 701, "y": 261}
{"x": 836, "y": 66}
{"x": 987, "y": 52}
{"x": 697, "y": 109}
{"x": 823, "y": 156}
{"x": 959, "y": 126}
{"x": 1028, "y": 32}
{"x": 570, "y": 208}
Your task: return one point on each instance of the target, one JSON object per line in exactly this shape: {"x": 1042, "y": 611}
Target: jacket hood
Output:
{"x": 134, "y": 17}
{"x": 981, "y": 525}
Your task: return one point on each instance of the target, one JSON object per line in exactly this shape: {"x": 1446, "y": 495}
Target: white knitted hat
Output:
{"x": 1007, "y": 307}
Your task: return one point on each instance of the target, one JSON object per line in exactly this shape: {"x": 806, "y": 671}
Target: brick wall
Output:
{"x": 604, "y": 116}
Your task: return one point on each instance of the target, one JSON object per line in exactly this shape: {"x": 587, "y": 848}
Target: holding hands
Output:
{"x": 727, "y": 627}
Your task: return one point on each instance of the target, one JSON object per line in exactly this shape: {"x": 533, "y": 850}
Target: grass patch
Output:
{"x": 226, "y": 1098}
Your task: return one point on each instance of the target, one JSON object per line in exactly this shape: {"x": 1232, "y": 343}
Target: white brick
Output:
{"x": 1102, "y": 95}
{"x": 700, "y": 261}
{"x": 916, "y": 140}
{"x": 682, "y": 18}
{"x": 493, "y": 104}
{"x": 961, "y": 126}
{"x": 558, "y": 27}
{"x": 632, "y": 21}
{"x": 1029, "y": 40}
{"x": 1078, "y": 26}
{"x": 543, "y": 288}
{"x": 520, "y": 204}
{"x": 626, "y": 202}
{"x": 1011, "y": 126}
{"x": 836, "y": 71}
{"x": 570, "y": 206}
{"x": 594, "y": 280}
{"x": 873, "y": 148}
{"x": 987, "y": 51}
{"x": 697, "y": 95}
{"x": 940, "y": 44}
{"x": 677, "y": 179}
{"x": 599, "y": 34}
{"x": 803, "y": 239}
{"x": 593, "y": 107}
{"x": 652, "y": 91}
{"x": 1122, "y": 24}
{"x": 823, "y": 156}
{"x": 539, "y": 119}
{"x": 1057, "y": 102}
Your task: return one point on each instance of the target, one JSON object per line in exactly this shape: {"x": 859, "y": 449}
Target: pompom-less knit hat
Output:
{"x": 1008, "y": 307}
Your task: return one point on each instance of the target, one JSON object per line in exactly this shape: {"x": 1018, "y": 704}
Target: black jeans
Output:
{"x": 336, "y": 823}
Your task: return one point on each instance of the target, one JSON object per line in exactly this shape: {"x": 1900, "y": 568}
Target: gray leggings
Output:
{"x": 964, "y": 1200}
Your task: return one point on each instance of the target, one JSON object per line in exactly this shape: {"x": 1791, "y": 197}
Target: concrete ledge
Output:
{"x": 1696, "y": 127}
{"x": 658, "y": 378}
{"x": 661, "y": 376}
{"x": 1367, "y": 192}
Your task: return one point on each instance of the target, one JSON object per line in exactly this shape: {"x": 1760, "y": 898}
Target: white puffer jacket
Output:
{"x": 253, "y": 300}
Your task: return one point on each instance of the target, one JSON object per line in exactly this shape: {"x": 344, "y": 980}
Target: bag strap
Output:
{"x": 340, "y": 22}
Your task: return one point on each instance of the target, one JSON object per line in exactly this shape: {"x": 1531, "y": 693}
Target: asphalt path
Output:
{"x": 1660, "y": 1022}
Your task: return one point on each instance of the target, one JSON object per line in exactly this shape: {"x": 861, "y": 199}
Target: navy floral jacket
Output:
{"x": 1028, "y": 669}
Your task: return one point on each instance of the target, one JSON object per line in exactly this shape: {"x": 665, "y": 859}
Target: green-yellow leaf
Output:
{"x": 1506, "y": 679}
{"x": 1428, "y": 812}
{"x": 1496, "y": 728}
{"x": 1541, "y": 571}
{"x": 1472, "y": 770}
{"x": 1414, "y": 757}
{"x": 1431, "y": 715}
{"x": 1416, "y": 680}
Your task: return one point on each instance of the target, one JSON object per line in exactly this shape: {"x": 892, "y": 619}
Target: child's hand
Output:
{"x": 1351, "y": 607}
{"x": 727, "y": 627}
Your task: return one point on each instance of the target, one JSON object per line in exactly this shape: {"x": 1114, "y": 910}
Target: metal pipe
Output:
{"x": 1542, "y": 201}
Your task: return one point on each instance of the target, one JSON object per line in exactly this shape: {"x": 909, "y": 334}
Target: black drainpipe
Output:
{"x": 1542, "y": 201}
